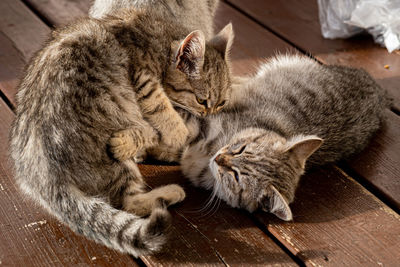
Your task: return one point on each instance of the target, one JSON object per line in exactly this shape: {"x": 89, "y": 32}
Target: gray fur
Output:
{"x": 275, "y": 123}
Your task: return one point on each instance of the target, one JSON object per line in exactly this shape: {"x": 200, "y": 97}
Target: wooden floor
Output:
{"x": 343, "y": 215}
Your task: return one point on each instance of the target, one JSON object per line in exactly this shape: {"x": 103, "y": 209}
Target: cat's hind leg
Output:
{"x": 143, "y": 204}
{"x": 131, "y": 193}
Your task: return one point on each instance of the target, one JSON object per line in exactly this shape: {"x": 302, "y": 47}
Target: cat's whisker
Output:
{"x": 218, "y": 204}
{"x": 206, "y": 206}
{"x": 211, "y": 201}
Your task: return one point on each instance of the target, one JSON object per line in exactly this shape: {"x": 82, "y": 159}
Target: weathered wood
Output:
{"x": 60, "y": 12}
{"x": 338, "y": 223}
{"x": 379, "y": 162}
{"x": 230, "y": 232}
{"x": 21, "y": 34}
{"x": 29, "y": 236}
{"x": 252, "y": 43}
{"x": 297, "y": 21}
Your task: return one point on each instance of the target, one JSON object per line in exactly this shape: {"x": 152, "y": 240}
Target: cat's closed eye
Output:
{"x": 220, "y": 105}
{"x": 235, "y": 174}
{"x": 238, "y": 149}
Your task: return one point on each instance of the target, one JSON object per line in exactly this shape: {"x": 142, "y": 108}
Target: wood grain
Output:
{"x": 230, "y": 232}
{"x": 60, "y": 12}
{"x": 379, "y": 162}
{"x": 252, "y": 43}
{"x": 21, "y": 34}
{"x": 297, "y": 21}
{"x": 338, "y": 223}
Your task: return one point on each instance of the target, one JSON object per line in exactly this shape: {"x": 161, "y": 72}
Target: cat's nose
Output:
{"x": 222, "y": 160}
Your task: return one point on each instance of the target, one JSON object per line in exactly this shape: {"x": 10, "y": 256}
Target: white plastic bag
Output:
{"x": 344, "y": 18}
{"x": 333, "y": 14}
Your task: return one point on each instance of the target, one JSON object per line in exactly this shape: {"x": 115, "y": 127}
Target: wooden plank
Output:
{"x": 30, "y": 237}
{"x": 380, "y": 160}
{"x": 338, "y": 223}
{"x": 252, "y": 43}
{"x": 230, "y": 232}
{"x": 60, "y": 12}
{"x": 21, "y": 34}
{"x": 298, "y": 22}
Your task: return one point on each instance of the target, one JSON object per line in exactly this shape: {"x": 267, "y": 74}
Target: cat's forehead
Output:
{"x": 200, "y": 87}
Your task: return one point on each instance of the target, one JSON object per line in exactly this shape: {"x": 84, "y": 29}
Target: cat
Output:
{"x": 293, "y": 111}
{"x": 99, "y": 92}
{"x": 194, "y": 14}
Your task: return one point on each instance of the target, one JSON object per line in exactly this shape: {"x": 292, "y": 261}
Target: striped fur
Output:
{"x": 89, "y": 101}
{"x": 254, "y": 152}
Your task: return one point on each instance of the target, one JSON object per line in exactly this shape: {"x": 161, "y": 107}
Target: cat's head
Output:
{"x": 198, "y": 78}
{"x": 260, "y": 169}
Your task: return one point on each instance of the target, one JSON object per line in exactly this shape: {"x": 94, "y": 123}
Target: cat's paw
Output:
{"x": 122, "y": 146}
{"x": 140, "y": 156}
{"x": 177, "y": 137}
{"x": 171, "y": 194}
{"x": 165, "y": 153}
{"x": 161, "y": 197}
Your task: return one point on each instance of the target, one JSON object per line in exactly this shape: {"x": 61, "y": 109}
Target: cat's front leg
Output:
{"x": 159, "y": 112}
{"x": 132, "y": 142}
{"x": 163, "y": 152}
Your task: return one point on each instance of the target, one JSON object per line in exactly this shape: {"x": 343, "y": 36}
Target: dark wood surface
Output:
{"x": 337, "y": 221}
{"x": 21, "y": 34}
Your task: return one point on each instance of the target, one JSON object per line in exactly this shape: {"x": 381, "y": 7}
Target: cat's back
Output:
{"x": 308, "y": 93}
{"x": 344, "y": 106}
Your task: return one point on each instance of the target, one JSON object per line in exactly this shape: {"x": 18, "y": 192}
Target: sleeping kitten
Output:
{"x": 195, "y": 15}
{"x": 107, "y": 83}
{"x": 294, "y": 110}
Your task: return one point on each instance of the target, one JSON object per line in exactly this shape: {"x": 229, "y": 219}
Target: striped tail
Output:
{"x": 116, "y": 229}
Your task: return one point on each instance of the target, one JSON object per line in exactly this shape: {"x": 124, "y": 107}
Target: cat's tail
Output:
{"x": 99, "y": 221}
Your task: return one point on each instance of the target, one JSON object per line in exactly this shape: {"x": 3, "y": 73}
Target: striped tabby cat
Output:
{"x": 103, "y": 87}
{"x": 292, "y": 112}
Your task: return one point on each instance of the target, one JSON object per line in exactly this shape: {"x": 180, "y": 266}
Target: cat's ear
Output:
{"x": 223, "y": 41}
{"x": 189, "y": 57}
{"x": 302, "y": 147}
{"x": 275, "y": 203}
